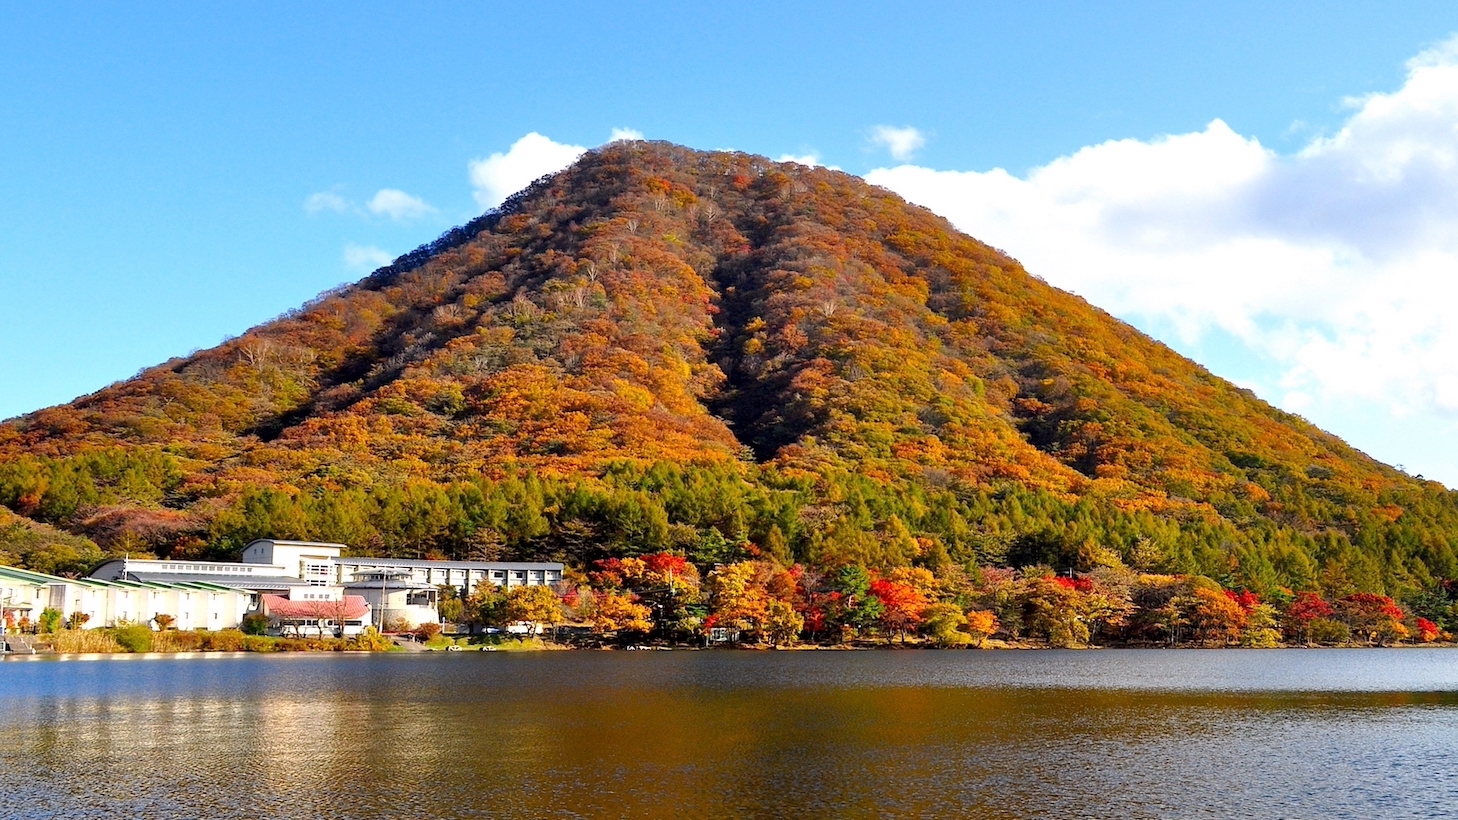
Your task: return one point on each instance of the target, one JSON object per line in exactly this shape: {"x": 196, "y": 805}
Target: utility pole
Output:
{"x": 381, "y": 627}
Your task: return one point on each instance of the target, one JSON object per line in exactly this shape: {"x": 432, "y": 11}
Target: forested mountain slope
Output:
{"x": 668, "y": 349}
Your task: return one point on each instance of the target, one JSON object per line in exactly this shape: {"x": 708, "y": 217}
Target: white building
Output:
{"x": 398, "y": 603}
{"x": 314, "y": 611}
{"x": 23, "y": 595}
{"x": 93, "y": 602}
{"x": 309, "y": 560}
{"x": 253, "y": 577}
{"x": 323, "y": 563}
{"x": 277, "y": 567}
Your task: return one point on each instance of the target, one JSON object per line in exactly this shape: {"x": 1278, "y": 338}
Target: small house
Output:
{"x": 309, "y": 612}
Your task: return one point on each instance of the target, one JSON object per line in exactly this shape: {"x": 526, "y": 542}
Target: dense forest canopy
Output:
{"x": 721, "y": 357}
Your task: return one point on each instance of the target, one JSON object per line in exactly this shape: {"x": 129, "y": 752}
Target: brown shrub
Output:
{"x": 176, "y": 641}
{"x": 225, "y": 640}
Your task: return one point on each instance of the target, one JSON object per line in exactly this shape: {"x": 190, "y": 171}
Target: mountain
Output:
{"x": 660, "y": 348}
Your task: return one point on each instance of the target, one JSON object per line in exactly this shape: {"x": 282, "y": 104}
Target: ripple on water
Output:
{"x": 1166, "y": 734}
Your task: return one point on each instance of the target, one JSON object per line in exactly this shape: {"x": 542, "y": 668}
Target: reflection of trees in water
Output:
{"x": 999, "y": 735}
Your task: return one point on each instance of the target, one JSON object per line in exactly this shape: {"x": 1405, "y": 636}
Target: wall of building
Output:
{"x": 300, "y": 559}
{"x": 110, "y": 604}
{"x": 407, "y": 608}
{"x": 21, "y": 600}
{"x": 232, "y": 572}
{"x": 443, "y": 573}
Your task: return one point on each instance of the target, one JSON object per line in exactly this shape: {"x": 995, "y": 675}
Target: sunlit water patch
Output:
{"x": 1139, "y": 734}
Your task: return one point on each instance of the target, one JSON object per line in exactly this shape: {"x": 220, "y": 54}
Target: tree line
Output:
{"x": 664, "y": 597}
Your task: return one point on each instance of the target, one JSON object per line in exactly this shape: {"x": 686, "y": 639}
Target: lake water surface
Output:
{"x": 1048, "y": 734}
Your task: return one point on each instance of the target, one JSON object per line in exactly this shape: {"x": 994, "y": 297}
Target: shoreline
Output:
{"x": 554, "y": 647}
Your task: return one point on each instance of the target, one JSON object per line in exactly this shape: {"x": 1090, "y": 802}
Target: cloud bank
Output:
{"x": 1339, "y": 263}
{"x": 502, "y": 174}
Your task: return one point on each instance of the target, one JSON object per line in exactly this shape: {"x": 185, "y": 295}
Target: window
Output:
{"x": 317, "y": 574}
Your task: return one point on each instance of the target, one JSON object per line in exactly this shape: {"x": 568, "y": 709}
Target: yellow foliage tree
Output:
{"x": 739, "y": 602}
{"x": 981, "y": 624}
{"x": 537, "y": 605}
{"x": 616, "y": 612}
{"x": 782, "y": 623}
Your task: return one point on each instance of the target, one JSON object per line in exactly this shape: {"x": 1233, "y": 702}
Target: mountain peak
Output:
{"x": 814, "y": 343}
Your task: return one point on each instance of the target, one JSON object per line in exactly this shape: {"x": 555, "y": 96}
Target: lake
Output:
{"x": 996, "y": 734}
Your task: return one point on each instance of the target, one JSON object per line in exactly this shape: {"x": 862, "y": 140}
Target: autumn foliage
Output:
{"x": 730, "y": 361}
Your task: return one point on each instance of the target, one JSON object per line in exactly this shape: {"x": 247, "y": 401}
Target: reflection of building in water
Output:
{"x": 277, "y": 568}
{"x": 325, "y": 733}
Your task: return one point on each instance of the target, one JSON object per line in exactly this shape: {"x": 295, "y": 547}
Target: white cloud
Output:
{"x": 326, "y": 201}
{"x": 812, "y": 159}
{"x": 366, "y": 257}
{"x": 398, "y": 205}
{"x": 500, "y": 175}
{"x": 620, "y": 134}
{"x": 390, "y": 202}
{"x": 1339, "y": 263}
{"x": 901, "y": 142}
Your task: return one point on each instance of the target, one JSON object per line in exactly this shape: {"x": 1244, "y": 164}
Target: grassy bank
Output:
{"x": 491, "y": 643}
{"x": 130, "y": 639}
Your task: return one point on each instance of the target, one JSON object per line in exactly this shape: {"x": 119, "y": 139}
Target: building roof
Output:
{"x": 287, "y": 543}
{"x": 355, "y": 608}
{"x": 187, "y": 565}
{"x": 389, "y": 585}
{"x": 208, "y": 571}
{"x": 228, "y": 582}
{"x": 187, "y": 583}
{"x": 25, "y": 576}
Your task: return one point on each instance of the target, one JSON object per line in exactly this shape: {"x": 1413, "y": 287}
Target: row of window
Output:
{"x": 318, "y": 596}
{"x": 127, "y": 593}
{"x": 205, "y": 567}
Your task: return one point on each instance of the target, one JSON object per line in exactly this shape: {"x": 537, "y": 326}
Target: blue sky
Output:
{"x": 158, "y": 165}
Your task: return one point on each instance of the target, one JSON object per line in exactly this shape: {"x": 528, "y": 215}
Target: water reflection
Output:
{"x": 909, "y": 734}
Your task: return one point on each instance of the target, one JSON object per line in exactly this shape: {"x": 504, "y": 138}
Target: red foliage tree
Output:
{"x": 1246, "y": 599}
{"x": 1076, "y": 584}
{"x": 1378, "y": 618}
{"x": 1427, "y": 631}
{"x": 1307, "y": 607}
{"x": 904, "y": 605}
